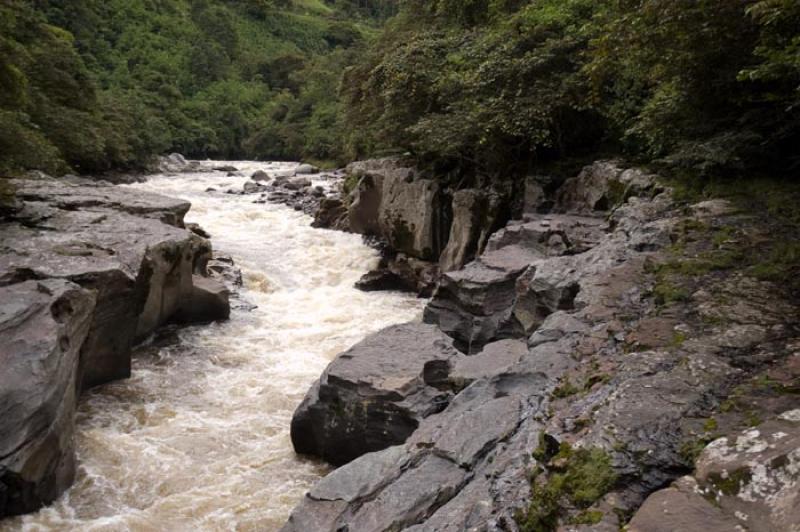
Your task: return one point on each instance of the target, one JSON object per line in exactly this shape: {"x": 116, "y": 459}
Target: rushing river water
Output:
{"x": 198, "y": 438}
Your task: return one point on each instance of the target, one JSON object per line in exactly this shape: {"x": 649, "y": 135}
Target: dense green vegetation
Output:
{"x": 99, "y": 84}
{"x": 703, "y": 85}
{"x": 491, "y": 87}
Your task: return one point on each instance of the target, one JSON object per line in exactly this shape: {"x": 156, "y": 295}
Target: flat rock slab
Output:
{"x": 373, "y": 395}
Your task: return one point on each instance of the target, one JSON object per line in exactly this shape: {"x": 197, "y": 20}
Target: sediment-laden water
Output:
{"x": 198, "y": 438}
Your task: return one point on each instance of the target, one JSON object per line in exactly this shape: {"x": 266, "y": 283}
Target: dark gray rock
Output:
{"x": 391, "y": 201}
{"x": 43, "y": 325}
{"x": 199, "y": 231}
{"x": 476, "y": 215}
{"x": 260, "y": 175}
{"x": 331, "y": 214}
{"x": 297, "y": 184}
{"x": 77, "y": 242}
{"x": 225, "y": 168}
{"x": 252, "y": 187}
{"x": 400, "y": 272}
{"x": 208, "y": 301}
{"x": 373, "y": 395}
{"x": 603, "y": 186}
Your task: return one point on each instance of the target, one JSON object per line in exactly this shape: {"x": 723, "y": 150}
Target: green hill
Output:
{"x": 91, "y": 85}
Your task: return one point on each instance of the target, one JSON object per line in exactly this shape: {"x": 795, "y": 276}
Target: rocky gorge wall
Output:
{"x": 87, "y": 271}
{"x": 579, "y": 364}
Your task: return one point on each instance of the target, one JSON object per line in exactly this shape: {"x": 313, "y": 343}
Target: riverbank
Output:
{"x": 613, "y": 339}
{"x": 200, "y": 432}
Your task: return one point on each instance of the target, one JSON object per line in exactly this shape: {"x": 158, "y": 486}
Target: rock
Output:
{"x": 511, "y": 288}
{"x": 297, "y": 184}
{"x": 211, "y": 189}
{"x": 407, "y": 485}
{"x": 535, "y": 198}
{"x": 225, "y": 168}
{"x": 223, "y": 269}
{"x": 381, "y": 281}
{"x": 305, "y": 169}
{"x": 374, "y": 395}
{"x": 208, "y": 301}
{"x": 476, "y": 214}
{"x": 199, "y": 231}
{"x": 251, "y": 187}
{"x": 260, "y": 175}
{"x": 392, "y": 202}
{"x": 43, "y": 325}
{"x": 400, "y": 272}
{"x": 173, "y": 163}
{"x": 554, "y": 310}
{"x": 87, "y": 270}
{"x": 602, "y": 186}
{"x": 745, "y": 482}
{"x": 111, "y": 240}
{"x": 88, "y": 195}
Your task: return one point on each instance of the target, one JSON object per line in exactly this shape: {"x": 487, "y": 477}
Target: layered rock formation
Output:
{"x": 87, "y": 271}
{"x": 588, "y": 376}
{"x": 420, "y": 221}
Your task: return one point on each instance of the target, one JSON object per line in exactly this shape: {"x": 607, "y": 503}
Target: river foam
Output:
{"x": 198, "y": 438}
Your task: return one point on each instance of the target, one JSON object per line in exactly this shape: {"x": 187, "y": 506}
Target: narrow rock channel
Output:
{"x": 198, "y": 438}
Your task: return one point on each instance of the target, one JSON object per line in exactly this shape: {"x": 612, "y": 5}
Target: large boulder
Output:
{"x": 209, "y": 300}
{"x": 509, "y": 290}
{"x": 602, "y": 186}
{"x": 331, "y": 214}
{"x": 87, "y": 270}
{"x": 43, "y": 325}
{"x": 391, "y": 201}
{"x": 476, "y": 214}
{"x": 374, "y": 395}
{"x": 127, "y": 246}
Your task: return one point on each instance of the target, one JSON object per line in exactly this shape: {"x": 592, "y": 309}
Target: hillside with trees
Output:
{"x": 708, "y": 86}
{"x": 91, "y": 85}
{"x": 476, "y": 87}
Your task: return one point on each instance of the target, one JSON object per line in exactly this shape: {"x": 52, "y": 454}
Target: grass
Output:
{"x": 566, "y": 389}
{"x": 776, "y": 203}
{"x": 578, "y": 479}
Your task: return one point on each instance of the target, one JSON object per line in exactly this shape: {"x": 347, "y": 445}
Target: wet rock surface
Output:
{"x": 112, "y": 265}
{"x": 592, "y": 372}
{"x": 43, "y": 325}
{"x": 374, "y": 396}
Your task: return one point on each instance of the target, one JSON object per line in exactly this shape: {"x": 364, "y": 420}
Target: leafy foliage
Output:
{"x": 708, "y": 86}
{"x": 97, "y": 84}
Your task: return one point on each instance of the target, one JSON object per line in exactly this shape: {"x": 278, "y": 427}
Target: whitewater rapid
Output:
{"x": 198, "y": 438}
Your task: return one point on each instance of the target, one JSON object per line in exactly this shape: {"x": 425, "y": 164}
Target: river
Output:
{"x": 198, "y": 438}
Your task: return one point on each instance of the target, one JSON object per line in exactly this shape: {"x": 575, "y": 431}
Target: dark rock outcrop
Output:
{"x": 43, "y": 325}
{"x": 393, "y": 202}
{"x": 515, "y": 284}
{"x": 476, "y": 215}
{"x": 594, "y": 365}
{"x": 374, "y": 395}
{"x": 87, "y": 270}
